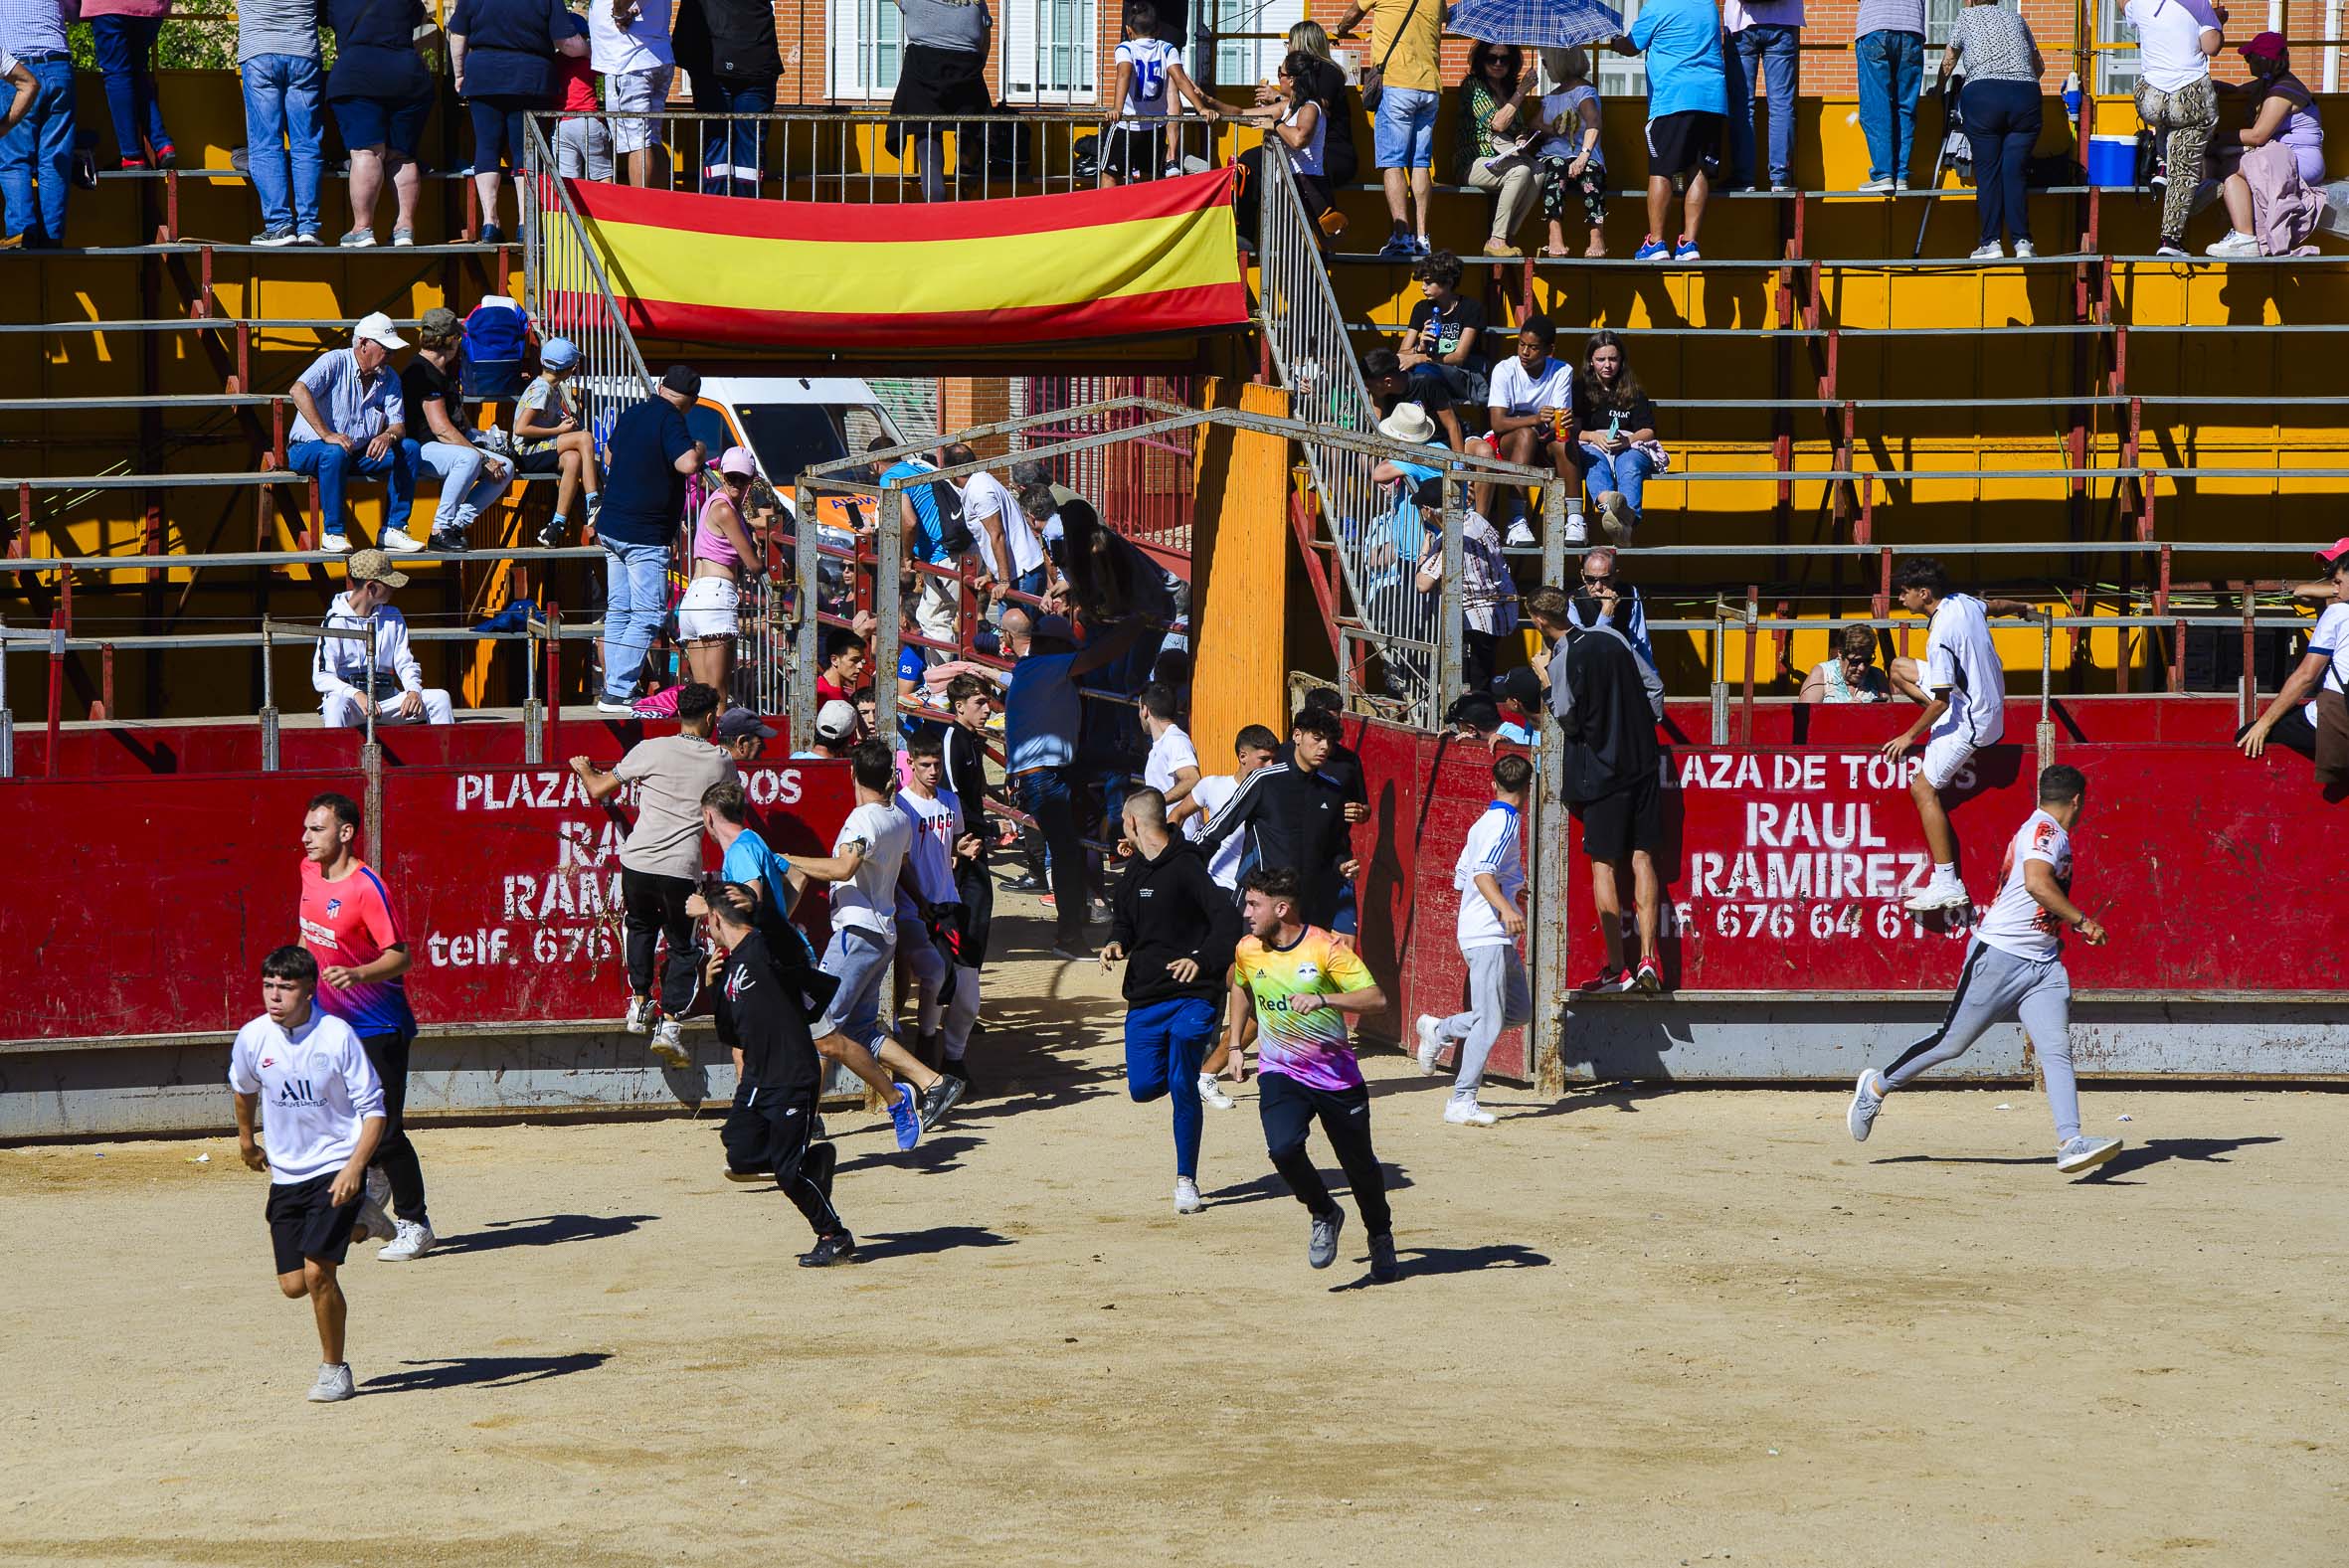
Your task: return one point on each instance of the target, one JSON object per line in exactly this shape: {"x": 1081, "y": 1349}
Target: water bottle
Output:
{"x": 2071, "y": 96}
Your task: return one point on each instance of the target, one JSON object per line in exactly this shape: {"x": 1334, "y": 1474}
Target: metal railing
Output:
{"x": 1142, "y": 487}
{"x": 569, "y": 296}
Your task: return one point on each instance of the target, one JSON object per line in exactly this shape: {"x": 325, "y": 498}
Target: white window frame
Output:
{"x": 1246, "y": 62}
{"x": 2117, "y": 70}
{"x": 864, "y": 48}
{"x": 1048, "y": 51}
{"x": 1615, "y": 76}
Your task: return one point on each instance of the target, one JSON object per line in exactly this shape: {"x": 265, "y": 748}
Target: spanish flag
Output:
{"x": 1128, "y": 262}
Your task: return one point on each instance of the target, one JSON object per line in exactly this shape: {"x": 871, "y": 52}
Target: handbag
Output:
{"x": 1374, "y": 78}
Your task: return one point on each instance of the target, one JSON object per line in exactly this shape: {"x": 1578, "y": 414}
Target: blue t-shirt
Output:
{"x": 643, "y": 494}
{"x": 1041, "y": 713}
{"x": 510, "y": 47}
{"x": 748, "y": 859}
{"x": 374, "y": 50}
{"x": 1681, "y": 42}
{"x": 927, "y": 528}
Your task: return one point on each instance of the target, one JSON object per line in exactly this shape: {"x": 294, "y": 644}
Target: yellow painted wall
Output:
{"x": 1239, "y": 566}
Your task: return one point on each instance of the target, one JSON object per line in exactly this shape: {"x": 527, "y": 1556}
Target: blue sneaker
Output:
{"x": 1399, "y": 247}
{"x": 1652, "y": 250}
{"x": 907, "y": 1118}
{"x": 1685, "y": 251}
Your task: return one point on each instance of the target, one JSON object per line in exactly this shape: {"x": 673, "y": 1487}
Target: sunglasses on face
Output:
{"x": 1597, "y": 580}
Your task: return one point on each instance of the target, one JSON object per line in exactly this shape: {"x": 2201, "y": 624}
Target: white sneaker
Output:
{"x": 1431, "y": 1040}
{"x": 1866, "y": 1100}
{"x": 1212, "y": 1093}
{"x": 1945, "y": 891}
{"x": 618, "y": 710}
{"x": 1521, "y": 535}
{"x": 334, "y": 544}
{"x": 334, "y": 1385}
{"x": 1186, "y": 1196}
{"x": 1993, "y": 252}
{"x": 399, "y": 542}
{"x": 2025, "y": 251}
{"x": 413, "y": 1240}
{"x": 668, "y": 1043}
{"x": 2085, "y": 1153}
{"x": 1879, "y": 187}
{"x": 1901, "y": 183}
{"x": 1467, "y": 1113}
{"x": 640, "y": 1018}
{"x": 2236, "y": 243}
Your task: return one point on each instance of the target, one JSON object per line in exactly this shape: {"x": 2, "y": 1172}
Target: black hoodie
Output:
{"x": 1169, "y": 909}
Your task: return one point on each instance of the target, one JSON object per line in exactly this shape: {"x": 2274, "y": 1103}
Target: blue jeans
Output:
{"x": 1164, "y": 1044}
{"x": 636, "y": 595}
{"x": 730, "y": 156}
{"x": 41, "y": 149}
{"x": 125, "y": 47}
{"x": 1045, "y": 795}
{"x": 1892, "y": 70}
{"x": 465, "y": 491}
{"x": 1625, "y": 471}
{"x": 282, "y": 98}
{"x": 1769, "y": 55}
{"x": 332, "y": 466}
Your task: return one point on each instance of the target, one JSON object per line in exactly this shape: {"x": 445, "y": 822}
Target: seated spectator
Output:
{"x": 349, "y": 418}
{"x": 583, "y": 137}
{"x": 1300, "y": 130}
{"x": 1441, "y": 348}
{"x": 2311, "y": 714}
{"x": 1488, "y": 594}
{"x": 503, "y": 54}
{"x": 1888, "y": 60}
{"x": 1761, "y": 47}
{"x": 1391, "y": 387}
{"x": 122, "y": 34}
{"x": 1489, "y": 145}
{"x": 1611, "y": 603}
{"x": 1850, "y": 677}
{"x": 1532, "y": 409}
{"x": 2176, "y": 40}
{"x": 2284, "y": 114}
{"x": 1618, "y": 447}
{"x": 549, "y": 437}
{"x": 380, "y": 93}
{"x": 1341, "y": 162}
{"x": 1687, "y": 96}
{"x": 278, "y": 60}
{"x": 1999, "y": 58}
{"x": 1569, "y": 155}
{"x": 471, "y": 479}
{"x": 845, "y": 660}
{"x": 352, "y": 682}
{"x": 37, "y": 154}
{"x": 631, "y": 48}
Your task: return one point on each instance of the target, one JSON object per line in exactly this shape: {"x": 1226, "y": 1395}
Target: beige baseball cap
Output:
{"x": 373, "y": 566}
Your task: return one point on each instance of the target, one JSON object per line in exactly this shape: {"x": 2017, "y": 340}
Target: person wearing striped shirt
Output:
{"x": 1491, "y": 878}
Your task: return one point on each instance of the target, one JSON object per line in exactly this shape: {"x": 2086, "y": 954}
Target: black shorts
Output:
{"x": 304, "y": 1223}
{"x": 545, "y": 460}
{"x": 1130, "y": 153}
{"x": 1614, "y": 825}
{"x": 1683, "y": 143}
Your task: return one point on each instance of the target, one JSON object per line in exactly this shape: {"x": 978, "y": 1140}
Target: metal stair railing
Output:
{"x": 568, "y": 293}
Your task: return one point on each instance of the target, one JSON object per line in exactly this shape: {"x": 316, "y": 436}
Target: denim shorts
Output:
{"x": 859, "y": 959}
{"x": 1405, "y": 128}
{"x": 381, "y": 123}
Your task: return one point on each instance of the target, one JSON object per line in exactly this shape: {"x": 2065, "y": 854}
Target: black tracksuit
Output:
{"x": 1169, "y": 909}
{"x": 966, "y": 775}
{"x": 773, "y": 1123}
{"x": 1296, "y": 821}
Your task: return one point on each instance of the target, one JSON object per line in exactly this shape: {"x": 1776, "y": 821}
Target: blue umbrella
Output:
{"x": 1536, "y": 24}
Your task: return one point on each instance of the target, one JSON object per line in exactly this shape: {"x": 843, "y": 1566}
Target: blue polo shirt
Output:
{"x": 927, "y": 528}
{"x": 643, "y": 494}
{"x": 1681, "y": 42}
{"x": 1041, "y": 713}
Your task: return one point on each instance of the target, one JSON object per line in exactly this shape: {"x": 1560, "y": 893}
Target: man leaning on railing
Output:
{"x": 351, "y": 677}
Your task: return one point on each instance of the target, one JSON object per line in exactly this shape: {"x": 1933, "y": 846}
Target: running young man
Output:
{"x": 1297, "y": 819}
{"x": 930, "y": 899}
{"x": 1176, "y": 930}
{"x": 1491, "y": 879}
{"x": 1300, "y": 983}
{"x": 1964, "y": 691}
{"x": 2014, "y": 968}
{"x": 321, "y": 1114}
{"x": 863, "y": 868}
{"x": 772, "y": 1129}
{"x": 1254, "y": 747}
{"x": 347, "y": 925}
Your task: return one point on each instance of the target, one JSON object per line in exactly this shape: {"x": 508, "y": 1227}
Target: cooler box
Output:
{"x": 2112, "y": 161}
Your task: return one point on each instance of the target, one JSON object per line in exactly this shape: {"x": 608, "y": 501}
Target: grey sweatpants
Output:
{"x": 1497, "y": 999}
{"x": 1993, "y": 986}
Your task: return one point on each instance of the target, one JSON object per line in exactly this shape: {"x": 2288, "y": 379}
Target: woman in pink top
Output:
{"x": 122, "y": 32}
{"x": 722, "y": 553}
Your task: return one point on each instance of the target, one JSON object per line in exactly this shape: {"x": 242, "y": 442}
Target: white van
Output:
{"x": 791, "y": 423}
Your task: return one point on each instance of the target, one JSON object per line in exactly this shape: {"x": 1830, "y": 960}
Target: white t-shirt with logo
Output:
{"x": 1492, "y": 849}
{"x": 1169, "y": 754}
{"x": 316, "y": 1086}
{"x": 2019, "y": 924}
{"x": 984, "y": 496}
{"x": 1154, "y": 61}
{"x": 2331, "y": 639}
{"x": 1213, "y": 792}
{"x": 867, "y": 900}
{"x": 1961, "y": 659}
{"x": 935, "y": 824}
{"x": 1516, "y": 393}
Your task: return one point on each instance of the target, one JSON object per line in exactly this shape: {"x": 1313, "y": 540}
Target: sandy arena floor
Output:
{"x": 1633, "y": 1327}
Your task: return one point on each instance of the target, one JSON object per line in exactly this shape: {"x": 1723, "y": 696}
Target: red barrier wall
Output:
{"x": 145, "y": 906}
{"x": 234, "y": 746}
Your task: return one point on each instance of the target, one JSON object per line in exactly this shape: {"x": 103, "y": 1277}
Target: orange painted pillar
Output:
{"x": 1239, "y": 586}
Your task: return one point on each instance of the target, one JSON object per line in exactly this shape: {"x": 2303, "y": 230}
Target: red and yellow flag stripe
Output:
{"x": 1128, "y": 262}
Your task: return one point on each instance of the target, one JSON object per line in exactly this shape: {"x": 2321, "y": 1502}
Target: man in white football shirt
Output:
{"x": 929, "y": 906}
{"x": 2014, "y": 968}
{"x": 1491, "y": 879}
{"x": 321, "y": 1116}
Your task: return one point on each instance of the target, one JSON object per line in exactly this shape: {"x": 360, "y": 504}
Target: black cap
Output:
{"x": 1521, "y": 687}
{"x": 683, "y": 380}
{"x": 1476, "y": 710}
{"x": 739, "y": 724}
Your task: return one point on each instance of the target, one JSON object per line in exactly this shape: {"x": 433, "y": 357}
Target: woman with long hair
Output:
{"x": 1331, "y": 92}
{"x": 1491, "y": 144}
{"x": 1618, "y": 426}
{"x": 723, "y": 553}
{"x": 1296, "y": 124}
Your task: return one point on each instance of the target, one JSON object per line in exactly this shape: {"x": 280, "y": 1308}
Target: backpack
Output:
{"x": 954, "y": 535}
{"x": 496, "y": 348}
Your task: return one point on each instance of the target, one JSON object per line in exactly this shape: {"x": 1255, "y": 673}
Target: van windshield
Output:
{"x": 790, "y": 437}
